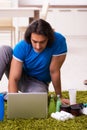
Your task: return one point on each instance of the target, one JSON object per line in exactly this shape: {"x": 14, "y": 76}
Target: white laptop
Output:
{"x": 27, "y": 105}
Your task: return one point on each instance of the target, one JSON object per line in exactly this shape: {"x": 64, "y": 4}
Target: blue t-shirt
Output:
{"x": 37, "y": 64}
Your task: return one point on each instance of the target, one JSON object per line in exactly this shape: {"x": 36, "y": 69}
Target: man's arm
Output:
{"x": 15, "y": 74}
{"x": 55, "y": 66}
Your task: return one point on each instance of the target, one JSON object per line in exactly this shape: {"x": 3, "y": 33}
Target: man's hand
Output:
{"x": 65, "y": 101}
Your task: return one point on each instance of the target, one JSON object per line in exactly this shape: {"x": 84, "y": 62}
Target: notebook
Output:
{"x": 27, "y": 105}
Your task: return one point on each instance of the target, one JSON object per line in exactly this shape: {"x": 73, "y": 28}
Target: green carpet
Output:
{"x": 78, "y": 123}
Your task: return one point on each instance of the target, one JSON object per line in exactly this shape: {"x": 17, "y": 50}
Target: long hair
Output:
{"x": 40, "y": 27}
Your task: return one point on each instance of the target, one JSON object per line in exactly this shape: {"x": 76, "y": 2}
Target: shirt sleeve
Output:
{"x": 19, "y": 51}
{"x": 59, "y": 45}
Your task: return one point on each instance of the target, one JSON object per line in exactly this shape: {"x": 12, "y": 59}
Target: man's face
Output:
{"x": 39, "y": 42}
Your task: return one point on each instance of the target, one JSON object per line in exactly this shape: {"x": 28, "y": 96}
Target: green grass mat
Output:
{"x": 78, "y": 123}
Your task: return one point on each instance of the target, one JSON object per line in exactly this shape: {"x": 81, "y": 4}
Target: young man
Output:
{"x": 36, "y": 60}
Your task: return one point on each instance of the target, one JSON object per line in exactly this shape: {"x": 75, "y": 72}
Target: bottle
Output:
{"x": 1, "y": 107}
{"x": 58, "y": 103}
{"x": 52, "y": 105}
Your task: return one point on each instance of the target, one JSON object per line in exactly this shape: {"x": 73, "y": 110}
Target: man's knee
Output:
{"x": 6, "y": 52}
{"x": 6, "y": 49}
{"x": 5, "y": 59}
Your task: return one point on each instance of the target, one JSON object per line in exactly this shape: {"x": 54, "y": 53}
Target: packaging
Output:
{"x": 1, "y": 107}
{"x": 76, "y": 109}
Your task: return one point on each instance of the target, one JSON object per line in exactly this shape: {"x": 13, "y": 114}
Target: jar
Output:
{"x": 65, "y": 107}
{"x": 75, "y": 110}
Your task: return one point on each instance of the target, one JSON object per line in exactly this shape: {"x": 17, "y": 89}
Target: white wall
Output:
{"x": 53, "y": 2}
{"x": 69, "y": 22}
{"x": 69, "y": 2}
